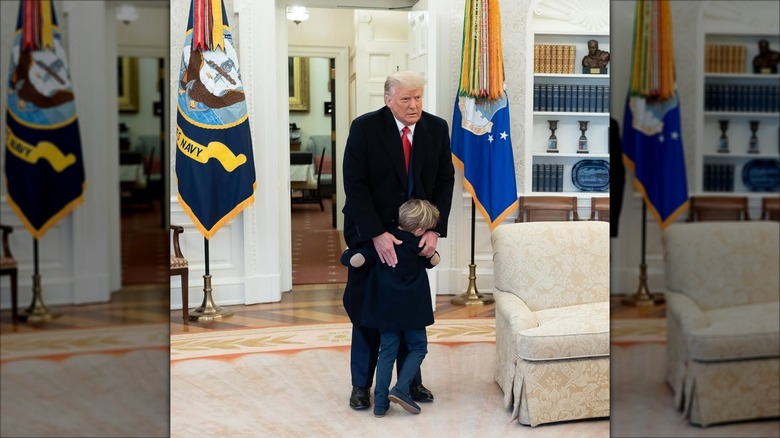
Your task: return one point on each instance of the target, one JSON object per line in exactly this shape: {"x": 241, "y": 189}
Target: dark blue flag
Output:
{"x": 43, "y": 161}
{"x": 214, "y": 160}
{"x": 482, "y": 149}
{"x": 652, "y": 145}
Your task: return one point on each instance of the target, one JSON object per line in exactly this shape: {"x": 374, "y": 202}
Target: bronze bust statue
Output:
{"x": 766, "y": 59}
{"x": 595, "y": 58}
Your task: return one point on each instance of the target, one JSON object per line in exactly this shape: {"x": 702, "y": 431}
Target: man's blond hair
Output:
{"x": 403, "y": 79}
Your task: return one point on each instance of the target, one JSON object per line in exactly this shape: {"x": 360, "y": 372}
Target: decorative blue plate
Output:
{"x": 761, "y": 175}
{"x": 591, "y": 175}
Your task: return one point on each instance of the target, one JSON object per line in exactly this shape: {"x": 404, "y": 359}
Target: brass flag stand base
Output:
{"x": 643, "y": 297}
{"x": 472, "y": 296}
{"x": 37, "y": 312}
{"x": 208, "y": 310}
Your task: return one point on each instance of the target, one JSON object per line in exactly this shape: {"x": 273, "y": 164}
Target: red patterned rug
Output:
{"x": 316, "y": 246}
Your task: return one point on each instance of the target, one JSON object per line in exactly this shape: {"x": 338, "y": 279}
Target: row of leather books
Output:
{"x": 571, "y": 98}
{"x": 718, "y": 177}
{"x": 547, "y": 178}
{"x": 724, "y": 58}
{"x": 742, "y": 97}
{"x": 554, "y": 58}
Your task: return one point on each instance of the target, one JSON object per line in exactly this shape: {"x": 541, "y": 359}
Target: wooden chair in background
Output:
{"x": 180, "y": 267}
{"x": 718, "y": 208}
{"x": 599, "y": 209}
{"x": 8, "y": 266}
{"x": 311, "y": 193}
{"x": 770, "y": 209}
{"x": 547, "y": 208}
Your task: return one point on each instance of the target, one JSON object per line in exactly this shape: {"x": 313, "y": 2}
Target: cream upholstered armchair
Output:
{"x": 552, "y": 319}
{"x": 723, "y": 308}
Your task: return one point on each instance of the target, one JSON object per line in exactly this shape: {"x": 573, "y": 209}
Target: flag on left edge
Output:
{"x": 43, "y": 162}
{"x": 214, "y": 162}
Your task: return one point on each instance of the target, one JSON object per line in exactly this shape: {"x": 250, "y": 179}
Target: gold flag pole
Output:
{"x": 208, "y": 310}
{"x": 472, "y": 295}
{"x": 37, "y": 312}
{"x": 643, "y": 297}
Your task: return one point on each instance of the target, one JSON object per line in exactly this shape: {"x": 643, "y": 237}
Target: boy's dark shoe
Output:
{"x": 405, "y": 400}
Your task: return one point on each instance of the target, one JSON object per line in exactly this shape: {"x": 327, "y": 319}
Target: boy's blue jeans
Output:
{"x": 417, "y": 344}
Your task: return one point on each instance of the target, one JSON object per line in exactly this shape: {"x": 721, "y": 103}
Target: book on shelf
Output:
{"x": 725, "y": 58}
{"x": 741, "y": 97}
{"x": 554, "y": 58}
{"x": 718, "y": 177}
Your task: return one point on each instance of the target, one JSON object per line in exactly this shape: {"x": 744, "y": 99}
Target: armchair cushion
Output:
{"x": 742, "y": 332}
{"x": 567, "y": 333}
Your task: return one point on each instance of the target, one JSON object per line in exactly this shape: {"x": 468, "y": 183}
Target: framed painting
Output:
{"x": 127, "y": 81}
{"x": 298, "y": 76}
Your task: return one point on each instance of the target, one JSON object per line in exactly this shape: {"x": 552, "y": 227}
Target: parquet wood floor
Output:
{"x": 310, "y": 304}
{"x": 137, "y": 304}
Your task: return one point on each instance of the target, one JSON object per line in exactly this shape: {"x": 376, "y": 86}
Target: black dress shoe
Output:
{"x": 420, "y": 393}
{"x": 360, "y": 398}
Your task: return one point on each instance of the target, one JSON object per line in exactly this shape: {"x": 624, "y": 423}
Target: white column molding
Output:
{"x": 96, "y": 222}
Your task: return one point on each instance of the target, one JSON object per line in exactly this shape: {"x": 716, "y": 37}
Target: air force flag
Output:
{"x": 482, "y": 149}
{"x": 652, "y": 146}
{"x": 214, "y": 160}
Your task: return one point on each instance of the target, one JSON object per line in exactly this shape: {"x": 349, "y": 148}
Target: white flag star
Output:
{"x": 490, "y": 138}
{"x": 503, "y": 136}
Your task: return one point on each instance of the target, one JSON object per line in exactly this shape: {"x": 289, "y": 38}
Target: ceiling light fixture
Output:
{"x": 126, "y": 13}
{"x": 296, "y": 14}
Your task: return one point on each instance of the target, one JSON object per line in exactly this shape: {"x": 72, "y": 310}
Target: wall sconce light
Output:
{"x": 126, "y": 13}
{"x": 296, "y": 14}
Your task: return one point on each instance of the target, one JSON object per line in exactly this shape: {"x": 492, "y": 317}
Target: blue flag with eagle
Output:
{"x": 481, "y": 141}
{"x": 43, "y": 161}
{"x": 214, "y": 162}
{"x": 652, "y": 138}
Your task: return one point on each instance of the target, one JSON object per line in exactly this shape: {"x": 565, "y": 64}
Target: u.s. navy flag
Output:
{"x": 481, "y": 144}
{"x": 652, "y": 138}
{"x": 214, "y": 160}
{"x": 43, "y": 162}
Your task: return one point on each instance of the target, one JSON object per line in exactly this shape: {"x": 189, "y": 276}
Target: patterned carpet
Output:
{"x": 106, "y": 382}
{"x": 294, "y": 381}
{"x": 316, "y": 246}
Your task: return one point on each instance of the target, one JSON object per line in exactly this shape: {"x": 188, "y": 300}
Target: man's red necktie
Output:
{"x": 407, "y": 146}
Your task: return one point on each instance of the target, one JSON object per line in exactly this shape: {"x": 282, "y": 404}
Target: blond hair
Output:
{"x": 403, "y": 79}
{"x": 417, "y": 213}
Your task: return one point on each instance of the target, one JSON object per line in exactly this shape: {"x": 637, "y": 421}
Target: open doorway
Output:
{"x": 141, "y": 155}
{"x": 316, "y": 243}
{"x": 364, "y": 54}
